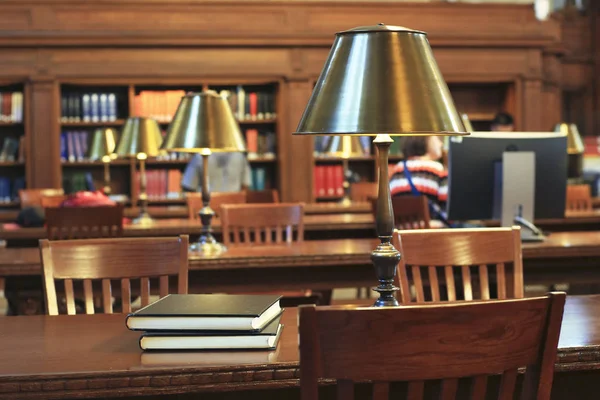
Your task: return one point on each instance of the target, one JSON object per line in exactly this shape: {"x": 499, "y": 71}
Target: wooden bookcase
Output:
{"x": 124, "y": 178}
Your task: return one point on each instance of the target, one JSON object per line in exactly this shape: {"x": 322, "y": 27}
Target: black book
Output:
{"x": 199, "y": 312}
{"x": 214, "y": 340}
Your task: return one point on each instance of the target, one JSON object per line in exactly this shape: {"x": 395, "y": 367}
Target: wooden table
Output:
{"x": 95, "y": 356}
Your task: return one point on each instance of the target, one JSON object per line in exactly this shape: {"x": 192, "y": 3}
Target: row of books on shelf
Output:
{"x": 260, "y": 143}
{"x": 88, "y": 107}
{"x": 209, "y": 322}
{"x": 160, "y": 105}
{"x": 9, "y": 188}
{"x": 13, "y": 149}
{"x": 11, "y": 106}
{"x": 161, "y": 183}
{"x": 251, "y": 105}
{"x": 328, "y": 180}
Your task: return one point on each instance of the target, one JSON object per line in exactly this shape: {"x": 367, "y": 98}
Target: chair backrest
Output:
{"x": 84, "y": 222}
{"x": 410, "y": 212}
{"x": 217, "y": 199}
{"x": 54, "y": 200}
{"x": 463, "y": 263}
{"x": 363, "y": 191}
{"x": 262, "y": 196}
{"x": 247, "y": 224}
{"x": 33, "y": 197}
{"x": 579, "y": 198}
{"x": 123, "y": 259}
{"x": 432, "y": 347}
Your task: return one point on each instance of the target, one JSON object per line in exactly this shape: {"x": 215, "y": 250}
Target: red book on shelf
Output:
{"x": 339, "y": 180}
{"x": 252, "y": 140}
{"x": 6, "y": 106}
{"x": 330, "y": 180}
{"x": 253, "y": 98}
{"x": 164, "y": 183}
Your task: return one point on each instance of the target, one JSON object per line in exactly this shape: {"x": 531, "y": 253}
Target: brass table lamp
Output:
{"x": 345, "y": 147}
{"x": 204, "y": 124}
{"x": 141, "y": 138}
{"x": 102, "y": 148}
{"x": 381, "y": 81}
{"x": 575, "y": 149}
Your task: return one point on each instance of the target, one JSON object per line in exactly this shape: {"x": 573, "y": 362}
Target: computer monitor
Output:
{"x": 475, "y": 173}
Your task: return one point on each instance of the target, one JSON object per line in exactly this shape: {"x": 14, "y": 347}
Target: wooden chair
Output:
{"x": 123, "y": 259}
{"x": 579, "y": 198}
{"x": 363, "y": 191}
{"x": 84, "y": 222}
{"x": 266, "y": 224}
{"x": 262, "y": 196}
{"x": 33, "y": 197}
{"x": 431, "y": 256}
{"x": 410, "y": 212}
{"x": 460, "y": 344}
{"x": 217, "y": 199}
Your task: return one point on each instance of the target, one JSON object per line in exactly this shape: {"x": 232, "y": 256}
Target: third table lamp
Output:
{"x": 103, "y": 146}
{"x": 204, "y": 123}
{"x": 381, "y": 81}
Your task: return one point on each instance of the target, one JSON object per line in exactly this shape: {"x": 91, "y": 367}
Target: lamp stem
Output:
{"x": 144, "y": 217}
{"x": 106, "y": 188}
{"x": 207, "y": 242}
{"x": 385, "y": 257}
{"x": 346, "y": 185}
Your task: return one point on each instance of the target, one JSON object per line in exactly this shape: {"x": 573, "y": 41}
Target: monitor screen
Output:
{"x": 474, "y": 162}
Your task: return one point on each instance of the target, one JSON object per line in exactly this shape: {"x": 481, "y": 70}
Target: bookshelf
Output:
{"x": 12, "y": 138}
{"x": 86, "y": 107}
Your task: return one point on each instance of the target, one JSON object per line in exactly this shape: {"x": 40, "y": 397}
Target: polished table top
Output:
{"x": 26, "y": 261}
{"x": 97, "y": 352}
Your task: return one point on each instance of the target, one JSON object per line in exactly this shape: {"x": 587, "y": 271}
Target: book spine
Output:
{"x": 103, "y": 107}
{"x": 87, "y": 108}
{"x": 112, "y": 107}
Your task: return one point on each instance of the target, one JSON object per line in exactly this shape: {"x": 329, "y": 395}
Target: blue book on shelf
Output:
{"x": 258, "y": 178}
{"x": 103, "y": 107}
{"x": 87, "y": 107}
{"x": 64, "y": 154}
{"x": 18, "y": 184}
{"x": 112, "y": 107}
{"x": 95, "y": 107}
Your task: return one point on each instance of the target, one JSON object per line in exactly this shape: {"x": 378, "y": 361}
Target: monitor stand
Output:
{"x": 517, "y": 193}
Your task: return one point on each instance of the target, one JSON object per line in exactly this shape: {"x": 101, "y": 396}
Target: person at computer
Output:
{"x": 227, "y": 172}
{"x": 421, "y": 173}
{"x": 503, "y": 122}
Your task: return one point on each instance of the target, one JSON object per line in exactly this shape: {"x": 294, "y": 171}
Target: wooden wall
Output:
{"x": 48, "y": 42}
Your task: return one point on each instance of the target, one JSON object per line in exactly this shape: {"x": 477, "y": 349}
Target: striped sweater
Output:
{"x": 429, "y": 177}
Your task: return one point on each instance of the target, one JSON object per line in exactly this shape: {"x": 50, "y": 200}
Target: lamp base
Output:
{"x": 345, "y": 201}
{"x": 207, "y": 247}
{"x": 143, "y": 219}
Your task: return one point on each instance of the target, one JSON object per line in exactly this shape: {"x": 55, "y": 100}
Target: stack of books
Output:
{"x": 209, "y": 322}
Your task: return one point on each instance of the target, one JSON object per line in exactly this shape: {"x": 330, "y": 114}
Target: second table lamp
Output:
{"x": 204, "y": 123}
{"x": 381, "y": 81}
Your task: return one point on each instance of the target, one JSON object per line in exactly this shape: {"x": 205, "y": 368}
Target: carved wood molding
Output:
{"x": 281, "y": 23}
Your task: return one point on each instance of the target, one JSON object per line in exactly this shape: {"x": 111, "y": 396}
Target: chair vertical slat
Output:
{"x": 501, "y": 281}
{"x": 145, "y": 291}
{"x": 416, "y": 273}
{"x": 268, "y": 235}
{"x": 69, "y": 297}
{"x": 126, "y": 295}
{"x": 345, "y": 389}
{"x": 507, "y": 385}
{"x": 434, "y": 284}
{"x": 163, "y": 286}
{"x": 289, "y": 234}
{"x": 450, "y": 287}
{"x": 257, "y": 236}
{"x": 279, "y": 234}
{"x": 484, "y": 282}
{"x": 478, "y": 387}
{"x": 88, "y": 293}
{"x": 403, "y": 284}
{"x": 415, "y": 390}
{"x": 107, "y": 296}
{"x": 466, "y": 277}
{"x": 449, "y": 387}
{"x": 381, "y": 391}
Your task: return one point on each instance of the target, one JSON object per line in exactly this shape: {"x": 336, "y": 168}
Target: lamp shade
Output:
{"x": 345, "y": 147}
{"x": 574, "y": 142}
{"x": 204, "y": 122}
{"x": 381, "y": 80}
{"x": 103, "y": 143}
{"x": 139, "y": 136}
